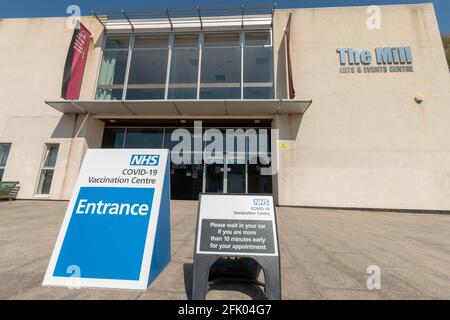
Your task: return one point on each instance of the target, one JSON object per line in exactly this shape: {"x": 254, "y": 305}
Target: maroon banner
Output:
{"x": 287, "y": 38}
{"x": 75, "y": 63}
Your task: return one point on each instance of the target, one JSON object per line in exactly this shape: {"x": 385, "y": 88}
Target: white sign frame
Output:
{"x": 109, "y": 156}
{"x": 223, "y": 211}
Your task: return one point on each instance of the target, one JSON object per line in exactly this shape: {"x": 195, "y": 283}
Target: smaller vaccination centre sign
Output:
{"x": 116, "y": 231}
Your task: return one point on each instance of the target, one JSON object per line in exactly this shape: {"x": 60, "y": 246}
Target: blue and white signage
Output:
{"x": 236, "y": 225}
{"x": 388, "y": 60}
{"x": 116, "y": 231}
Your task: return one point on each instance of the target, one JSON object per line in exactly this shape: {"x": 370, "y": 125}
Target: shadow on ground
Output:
{"x": 252, "y": 291}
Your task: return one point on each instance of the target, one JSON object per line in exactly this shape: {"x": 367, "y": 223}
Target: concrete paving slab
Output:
{"x": 324, "y": 255}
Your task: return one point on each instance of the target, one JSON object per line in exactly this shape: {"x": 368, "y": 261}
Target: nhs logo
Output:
{"x": 144, "y": 160}
{"x": 260, "y": 202}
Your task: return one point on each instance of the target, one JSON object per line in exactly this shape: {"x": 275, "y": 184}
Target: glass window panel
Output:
{"x": 1, "y": 174}
{"x": 52, "y": 154}
{"x": 114, "y": 65}
{"x": 145, "y": 94}
{"x": 214, "y": 178}
{"x": 148, "y": 67}
{"x": 117, "y": 42}
{"x": 182, "y": 93}
{"x": 235, "y": 144}
{"x": 221, "y": 39}
{"x": 185, "y": 41}
{"x": 183, "y": 74}
{"x": 184, "y": 66}
{"x": 152, "y": 41}
{"x": 236, "y": 178}
{"x": 45, "y": 181}
{"x": 220, "y": 93}
{"x": 259, "y": 145}
{"x": 113, "y": 138}
{"x": 186, "y": 181}
{"x": 108, "y": 94}
{"x": 169, "y": 144}
{"x": 221, "y": 73}
{"x": 258, "y": 93}
{"x": 258, "y": 65}
{"x": 258, "y": 183}
{"x": 46, "y": 176}
{"x": 257, "y": 38}
{"x": 4, "y": 152}
{"x": 144, "y": 138}
{"x": 221, "y": 65}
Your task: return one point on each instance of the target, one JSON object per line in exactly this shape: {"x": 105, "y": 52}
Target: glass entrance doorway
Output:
{"x": 232, "y": 172}
{"x": 226, "y": 175}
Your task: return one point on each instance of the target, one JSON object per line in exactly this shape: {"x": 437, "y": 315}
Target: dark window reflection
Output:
{"x": 113, "y": 138}
{"x": 144, "y": 138}
{"x": 186, "y": 181}
{"x": 258, "y": 183}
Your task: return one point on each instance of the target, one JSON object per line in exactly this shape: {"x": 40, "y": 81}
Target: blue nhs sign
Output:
{"x": 144, "y": 160}
{"x": 260, "y": 202}
{"x": 117, "y": 234}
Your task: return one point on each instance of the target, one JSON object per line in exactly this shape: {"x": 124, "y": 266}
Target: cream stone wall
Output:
{"x": 32, "y": 58}
{"x": 364, "y": 142}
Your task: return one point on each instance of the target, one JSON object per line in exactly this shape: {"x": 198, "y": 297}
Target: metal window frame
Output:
{"x": 42, "y": 167}
{"x": 225, "y": 164}
{"x": 169, "y": 63}
{"x": 168, "y": 34}
{"x": 125, "y": 135}
{"x": 204, "y": 164}
{"x": 169, "y": 69}
{"x": 127, "y": 70}
{"x": 200, "y": 46}
{"x": 99, "y": 68}
{"x": 4, "y": 167}
{"x": 99, "y": 65}
{"x": 262, "y": 84}
{"x": 242, "y": 41}
{"x": 269, "y": 31}
{"x": 132, "y": 49}
{"x": 129, "y": 35}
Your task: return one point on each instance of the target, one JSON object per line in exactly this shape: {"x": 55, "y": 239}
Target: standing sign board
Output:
{"x": 116, "y": 231}
{"x": 236, "y": 226}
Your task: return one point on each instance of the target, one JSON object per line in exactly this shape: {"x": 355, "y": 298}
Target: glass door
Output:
{"x": 214, "y": 175}
{"x": 186, "y": 181}
{"x": 235, "y": 174}
{"x": 227, "y": 176}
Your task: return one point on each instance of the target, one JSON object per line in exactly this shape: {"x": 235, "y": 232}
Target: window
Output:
{"x": 113, "y": 69}
{"x": 258, "y": 67}
{"x": 4, "y": 152}
{"x": 148, "y": 69}
{"x": 221, "y": 67}
{"x": 144, "y": 138}
{"x": 113, "y": 138}
{"x": 184, "y": 67}
{"x": 215, "y": 65}
{"x": 47, "y": 170}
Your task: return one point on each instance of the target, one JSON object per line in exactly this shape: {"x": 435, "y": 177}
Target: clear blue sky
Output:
{"x": 43, "y": 8}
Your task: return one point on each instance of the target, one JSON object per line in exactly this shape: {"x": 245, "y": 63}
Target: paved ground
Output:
{"x": 324, "y": 255}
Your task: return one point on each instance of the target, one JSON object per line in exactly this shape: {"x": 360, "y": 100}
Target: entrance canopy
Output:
{"x": 107, "y": 108}
{"x": 218, "y": 17}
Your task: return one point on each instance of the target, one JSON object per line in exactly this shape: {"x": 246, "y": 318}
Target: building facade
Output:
{"x": 355, "y": 115}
